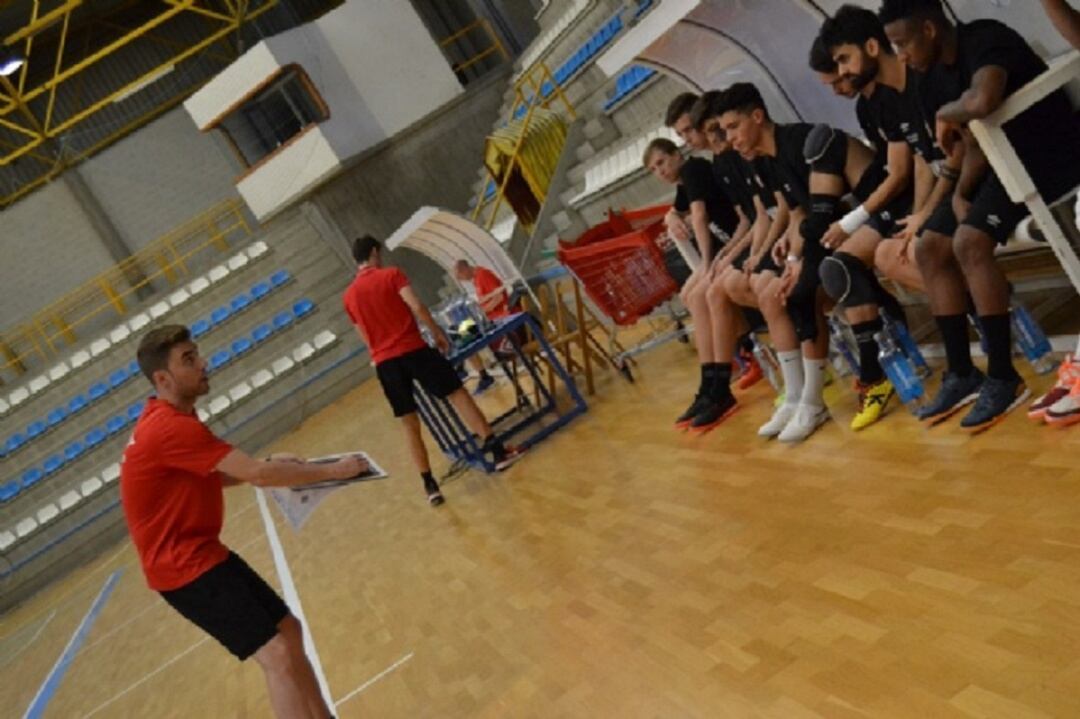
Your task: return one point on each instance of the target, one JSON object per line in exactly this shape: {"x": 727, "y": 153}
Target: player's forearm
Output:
{"x": 924, "y": 183}
{"x": 887, "y": 191}
{"x": 972, "y": 171}
{"x": 1065, "y": 18}
{"x": 429, "y": 321}
{"x": 274, "y": 473}
{"x": 704, "y": 238}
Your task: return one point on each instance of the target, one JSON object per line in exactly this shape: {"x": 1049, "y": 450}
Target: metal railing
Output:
{"x": 53, "y": 329}
{"x": 495, "y": 47}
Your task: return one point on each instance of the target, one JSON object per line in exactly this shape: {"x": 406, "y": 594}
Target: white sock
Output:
{"x": 814, "y": 384}
{"x": 791, "y": 367}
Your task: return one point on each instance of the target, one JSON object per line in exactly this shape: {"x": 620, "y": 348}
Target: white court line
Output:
{"x": 374, "y": 679}
{"x": 33, "y": 639}
{"x": 292, "y": 597}
{"x": 146, "y": 678}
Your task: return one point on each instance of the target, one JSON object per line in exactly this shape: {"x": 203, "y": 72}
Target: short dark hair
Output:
{"x": 743, "y": 97}
{"x": 681, "y": 105}
{"x": 661, "y": 144}
{"x": 706, "y": 106}
{"x": 820, "y": 57}
{"x": 852, "y": 25}
{"x": 362, "y": 247}
{"x": 154, "y": 348}
{"x": 893, "y": 10}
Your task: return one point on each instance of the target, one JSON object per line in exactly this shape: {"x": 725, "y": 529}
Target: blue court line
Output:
{"x": 52, "y": 682}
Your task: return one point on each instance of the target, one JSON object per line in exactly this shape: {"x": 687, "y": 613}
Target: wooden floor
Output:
{"x": 625, "y": 570}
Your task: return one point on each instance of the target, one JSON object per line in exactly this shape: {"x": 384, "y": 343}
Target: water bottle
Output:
{"x": 977, "y": 325}
{"x": 899, "y": 370}
{"x": 766, "y": 359}
{"x": 903, "y": 339}
{"x": 1031, "y": 340}
{"x": 850, "y": 364}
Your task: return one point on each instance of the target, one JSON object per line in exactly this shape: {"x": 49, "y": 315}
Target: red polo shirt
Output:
{"x": 172, "y": 495}
{"x": 487, "y": 282}
{"x": 374, "y": 304}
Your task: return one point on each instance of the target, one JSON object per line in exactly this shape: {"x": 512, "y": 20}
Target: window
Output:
{"x": 274, "y": 115}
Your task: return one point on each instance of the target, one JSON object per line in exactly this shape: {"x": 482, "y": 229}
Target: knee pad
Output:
{"x": 818, "y": 143}
{"x": 802, "y": 301}
{"x": 822, "y": 212}
{"x": 825, "y": 150}
{"x": 848, "y": 281}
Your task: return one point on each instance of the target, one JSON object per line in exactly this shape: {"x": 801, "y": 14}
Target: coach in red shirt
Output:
{"x": 171, "y": 480}
{"x": 381, "y": 303}
{"x": 490, "y": 292}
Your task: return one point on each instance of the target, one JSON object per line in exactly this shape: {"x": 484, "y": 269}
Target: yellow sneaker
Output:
{"x": 873, "y": 400}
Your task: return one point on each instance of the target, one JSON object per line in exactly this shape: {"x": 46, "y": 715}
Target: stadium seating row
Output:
{"x": 627, "y": 82}
{"x": 122, "y": 331}
{"x": 88, "y": 488}
{"x": 97, "y": 435}
{"x": 118, "y": 377}
{"x": 620, "y": 163}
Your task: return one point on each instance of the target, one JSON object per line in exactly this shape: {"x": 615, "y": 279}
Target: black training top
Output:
{"x": 791, "y": 172}
{"x": 1046, "y": 136}
{"x": 879, "y": 117}
{"x": 697, "y": 182}
{"x": 732, "y": 175}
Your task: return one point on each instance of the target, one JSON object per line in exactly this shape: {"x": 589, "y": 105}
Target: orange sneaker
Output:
{"x": 752, "y": 374}
{"x": 1068, "y": 376}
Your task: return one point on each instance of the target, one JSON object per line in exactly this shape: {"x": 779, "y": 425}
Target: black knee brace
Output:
{"x": 802, "y": 300}
{"x": 821, "y": 213}
{"x": 848, "y": 281}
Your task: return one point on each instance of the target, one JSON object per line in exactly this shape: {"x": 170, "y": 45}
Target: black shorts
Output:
{"x": 767, "y": 264}
{"x": 884, "y": 221}
{"x": 233, "y": 604}
{"x": 739, "y": 261}
{"x": 991, "y": 212}
{"x": 426, "y": 366}
{"x": 676, "y": 265}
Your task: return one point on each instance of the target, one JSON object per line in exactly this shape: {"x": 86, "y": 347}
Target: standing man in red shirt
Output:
{"x": 490, "y": 294}
{"x": 171, "y": 481}
{"x": 381, "y": 304}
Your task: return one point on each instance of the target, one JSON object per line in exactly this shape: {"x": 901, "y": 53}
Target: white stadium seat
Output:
{"x": 204, "y": 414}
{"x": 58, "y": 371}
{"x": 121, "y": 333}
{"x": 178, "y": 298}
{"x": 160, "y": 309}
{"x": 304, "y": 352}
{"x": 18, "y": 396}
{"x": 324, "y": 339}
{"x": 111, "y": 473}
{"x": 47, "y": 514}
{"x": 90, "y": 486}
{"x": 218, "y": 273}
{"x": 282, "y": 365}
{"x": 4, "y": 406}
{"x": 25, "y": 526}
{"x": 79, "y": 359}
{"x": 237, "y": 261}
{"x": 100, "y": 346}
{"x": 6, "y": 540}
{"x": 139, "y": 321}
{"x": 38, "y": 383}
{"x": 257, "y": 249}
{"x": 239, "y": 392}
{"x": 261, "y": 378}
{"x": 69, "y": 499}
{"x": 218, "y": 405}
{"x": 197, "y": 285}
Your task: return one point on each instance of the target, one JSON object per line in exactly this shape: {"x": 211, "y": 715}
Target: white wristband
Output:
{"x": 854, "y": 219}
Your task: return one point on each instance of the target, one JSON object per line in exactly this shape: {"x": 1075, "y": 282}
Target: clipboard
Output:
{"x": 298, "y": 503}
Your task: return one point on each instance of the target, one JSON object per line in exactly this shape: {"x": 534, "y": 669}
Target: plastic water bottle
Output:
{"x": 899, "y": 370}
{"x": 1031, "y": 339}
{"x": 843, "y": 348}
{"x": 766, "y": 359}
{"x": 903, "y": 339}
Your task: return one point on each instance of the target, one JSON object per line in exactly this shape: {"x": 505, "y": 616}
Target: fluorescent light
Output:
{"x": 11, "y": 63}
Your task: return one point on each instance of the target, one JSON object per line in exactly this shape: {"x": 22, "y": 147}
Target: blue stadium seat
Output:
{"x": 55, "y": 417}
{"x": 261, "y": 333}
{"x": 97, "y": 391}
{"x": 77, "y": 404}
{"x": 199, "y": 328}
{"x": 8, "y": 490}
{"x": 31, "y": 477}
{"x": 279, "y": 278}
{"x": 53, "y": 464}
{"x": 241, "y": 346}
{"x": 260, "y": 290}
{"x": 240, "y": 303}
{"x": 73, "y": 451}
{"x": 133, "y": 368}
{"x": 218, "y": 360}
{"x": 95, "y": 437}
{"x": 303, "y": 307}
{"x": 134, "y": 411}
{"x": 115, "y": 424}
{"x": 118, "y": 378}
{"x": 13, "y": 443}
{"x": 219, "y": 315}
{"x": 643, "y": 5}
{"x": 35, "y": 429}
{"x": 546, "y": 89}
{"x": 282, "y": 320}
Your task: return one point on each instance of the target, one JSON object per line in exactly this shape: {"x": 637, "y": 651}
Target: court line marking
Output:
{"x": 56, "y": 674}
{"x": 292, "y": 597}
{"x": 33, "y": 639}
{"x": 374, "y": 679}
{"x": 147, "y": 677}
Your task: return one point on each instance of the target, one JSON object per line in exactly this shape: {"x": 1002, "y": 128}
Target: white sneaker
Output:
{"x": 806, "y": 419}
{"x": 780, "y": 418}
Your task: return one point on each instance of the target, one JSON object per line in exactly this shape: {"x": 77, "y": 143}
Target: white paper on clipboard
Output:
{"x": 297, "y": 504}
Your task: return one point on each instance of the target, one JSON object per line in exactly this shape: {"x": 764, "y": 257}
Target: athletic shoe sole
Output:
{"x": 936, "y": 419}
{"x": 435, "y": 499}
{"x": 1039, "y": 415}
{"x": 705, "y": 429}
{"x": 508, "y": 460}
{"x": 980, "y": 428}
{"x": 1064, "y": 420}
{"x": 822, "y": 420}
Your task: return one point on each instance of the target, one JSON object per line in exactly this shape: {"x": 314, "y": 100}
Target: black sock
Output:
{"x": 429, "y": 479}
{"x": 708, "y": 377}
{"x": 494, "y": 445}
{"x": 954, "y": 333}
{"x": 484, "y": 374}
{"x": 721, "y": 384}
{"x": 746, "y": 343}
{"x": 998, "y": 334}
{"x": 870, "y": 371}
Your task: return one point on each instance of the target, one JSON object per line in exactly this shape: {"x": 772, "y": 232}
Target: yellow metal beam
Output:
{"x": 29, "y": 46}
{"x": 56, "y": 70}
{"x": 45, "y": 21}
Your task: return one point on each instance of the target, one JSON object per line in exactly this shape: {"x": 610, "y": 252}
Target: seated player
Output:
{"x": 488, "y": 292}
{"x": 381, "y": 303}
{"x": 969, "y": 70}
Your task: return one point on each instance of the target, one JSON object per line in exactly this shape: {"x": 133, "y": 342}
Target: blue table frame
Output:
{"x": 451, "y": 434}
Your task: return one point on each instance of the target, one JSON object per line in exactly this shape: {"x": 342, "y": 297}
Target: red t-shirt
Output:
{"x": 487, "y": 282}
{"x": 172, "y": 497}
{"x": 373, "y": 302}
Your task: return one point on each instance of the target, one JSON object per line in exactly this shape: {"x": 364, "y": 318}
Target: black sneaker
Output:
{"x": 485, "y": 383}
{"x": 997, "y": 398}
{"x": 504, "y": 456}
{"x": 700, "y": 403}
{"x": 434, "y": 496}
{"x": 714, "y": 413}
{"x": 955, "y": 393}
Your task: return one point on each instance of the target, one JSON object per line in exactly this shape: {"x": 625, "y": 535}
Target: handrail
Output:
{"x": 50, "y": 330}
{"x": 496, "y": 44}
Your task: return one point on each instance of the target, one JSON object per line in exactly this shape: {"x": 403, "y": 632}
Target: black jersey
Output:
{"x": 697, "y": 183}
{"x": 732, "y": 174}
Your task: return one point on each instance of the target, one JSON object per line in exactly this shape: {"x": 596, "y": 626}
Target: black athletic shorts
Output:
{"x": 676, "y": 265}
{"x": 884, "y": 222}
{"x": 991, "y": 212}
{"x": 233, "y": 604}
{"x": 739, "y": 261}
{"x": 426, "y": 366}
{"x": 767, "y": 264}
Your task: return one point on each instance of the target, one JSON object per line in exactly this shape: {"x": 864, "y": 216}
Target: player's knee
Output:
{"x": 933, "y": 249}
{"x": 972, "y": 247}
{"x": 848, "y": 281}
{"x": 716, "y": 295}
{"x": 885, "y": 256}
{"x": 277, "y": 655}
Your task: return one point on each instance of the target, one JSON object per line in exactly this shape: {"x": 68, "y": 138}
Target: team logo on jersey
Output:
{"x": 993, "y": 220}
